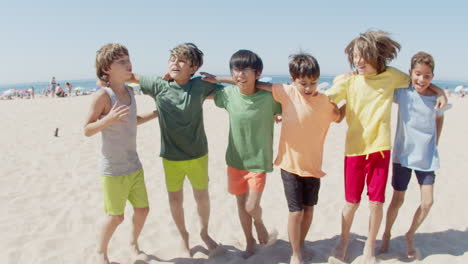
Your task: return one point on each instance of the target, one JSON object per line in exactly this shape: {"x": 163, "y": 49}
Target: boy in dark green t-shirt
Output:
{"x": 184, "y": 147}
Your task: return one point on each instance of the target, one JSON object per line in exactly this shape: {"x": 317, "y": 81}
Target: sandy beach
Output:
{"x": 52, "y": 203}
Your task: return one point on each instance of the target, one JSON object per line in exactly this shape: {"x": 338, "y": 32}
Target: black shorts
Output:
{"x": 300, "y": 191}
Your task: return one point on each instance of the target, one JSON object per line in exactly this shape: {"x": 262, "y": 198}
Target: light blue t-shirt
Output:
{"x": 416, "y": 134}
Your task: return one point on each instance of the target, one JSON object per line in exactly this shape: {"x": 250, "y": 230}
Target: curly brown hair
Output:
{"x": 105, "y": 56}
{"x": 376, "y": 48}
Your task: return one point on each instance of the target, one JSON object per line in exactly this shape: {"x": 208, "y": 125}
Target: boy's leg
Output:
{"x": 107, "y": 230}
{"x": 246, "y": 223}
{"x": 311, "y": 188}
{"x": 115, "y": 192}
{"x": 256, "y": 184}
{"x": 392, "y": 213}
{"x": 354, "y": 185}
{"x": 400, "y": 179}
{"x": 202, "y": 199}
{"x": 293, "y": 190}
{"x": 426, "y": 180}
{"x": 138, "y": 197}
{"x": 175, "y": 174}
{"x": 197, "y": 173}
{"x": 376, "y": 182}
{"x": 308, "y": 213}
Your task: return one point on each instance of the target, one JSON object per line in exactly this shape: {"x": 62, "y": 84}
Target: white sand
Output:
{"x": 52, "y": 207}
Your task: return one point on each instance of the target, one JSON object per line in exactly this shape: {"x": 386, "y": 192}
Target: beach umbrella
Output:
{"x": 133, "y": 85}
{"x": 79, "y": 88}
{"x": 8, "y": 92}
{"x": 458, "y": 88}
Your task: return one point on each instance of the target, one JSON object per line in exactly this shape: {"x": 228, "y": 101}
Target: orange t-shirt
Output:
{"x": 305, "y": 124}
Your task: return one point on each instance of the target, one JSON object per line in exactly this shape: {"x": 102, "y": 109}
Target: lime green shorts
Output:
{"x": 196, "y": 171}
{"x": 118, "y": 189}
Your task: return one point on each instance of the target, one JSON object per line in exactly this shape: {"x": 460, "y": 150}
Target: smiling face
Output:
{"x": 307, "y": 86}
{"x": 245, "y": 79}
{"x": 421, "y": 78}
{"x": 120, "y": 69}
{"x": 361, "y": 65}
{"x": 180, "y": 69}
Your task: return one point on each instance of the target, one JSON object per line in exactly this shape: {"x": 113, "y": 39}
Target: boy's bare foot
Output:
{"x": 369, "y": 255}
{"x": 102, "y": 258}
{"x": 339, "y": 252}
{"x": 186, "y": 245}
{"x": 250, "y": 248}
{"x": 295, "y": 260}
{"x": 272, "y": 237}
{"x": 262, "y": 233}
{"x": 410, "y": 250}
{"x": 385, "y": 243}
{"x": 214, "y": 248}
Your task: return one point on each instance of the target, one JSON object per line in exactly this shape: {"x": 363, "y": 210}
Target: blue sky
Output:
{"x": 41, "y": 39}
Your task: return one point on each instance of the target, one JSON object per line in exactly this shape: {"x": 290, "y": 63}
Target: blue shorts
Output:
{"x": 402, "y": 175}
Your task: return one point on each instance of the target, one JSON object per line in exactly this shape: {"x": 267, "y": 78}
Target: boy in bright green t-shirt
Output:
{"x": 249, "y": 154}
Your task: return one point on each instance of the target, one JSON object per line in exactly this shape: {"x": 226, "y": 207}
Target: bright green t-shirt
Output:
{"x": 180, "y": 110}
{"x": 251, "y": 123}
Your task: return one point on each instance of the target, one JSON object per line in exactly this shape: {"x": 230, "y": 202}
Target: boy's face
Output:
{"x": 245, "y": 78}
{"x": 307, "y": 86}
{"x": 180, "y": 68}
{"x": 120, "y": 68}
{"x": 421, "y": 77}
{"x": 361, "y": 65}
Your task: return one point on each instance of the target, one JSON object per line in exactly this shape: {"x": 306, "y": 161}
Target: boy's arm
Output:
{"x": 441, "y": 97}
{"x": 143, "y": 118}
{"x": 95, "y": 125}
{"x": 208, "y": 77}
{"x": 264, "y": 86}
{"x": 439, "y": 125}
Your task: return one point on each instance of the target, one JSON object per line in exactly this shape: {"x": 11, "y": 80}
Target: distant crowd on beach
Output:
{"x": 53, "y": 89}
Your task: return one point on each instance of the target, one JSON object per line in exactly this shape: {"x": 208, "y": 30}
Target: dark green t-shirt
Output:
{"x": 251, "y": 124}
{"x": 180, "y": 110}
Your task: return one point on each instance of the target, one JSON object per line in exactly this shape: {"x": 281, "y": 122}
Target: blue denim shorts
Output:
{"x": 402, "y": 175}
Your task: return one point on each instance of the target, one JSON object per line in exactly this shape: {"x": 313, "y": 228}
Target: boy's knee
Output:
{"x": 426, "y": 205}
{"x": 142, "y": 211}
{"x": 116, "y": 219}
{"x": 251, "y": 208}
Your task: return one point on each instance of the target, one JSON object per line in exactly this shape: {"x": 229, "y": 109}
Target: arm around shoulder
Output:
{"x": 143, "y": 118}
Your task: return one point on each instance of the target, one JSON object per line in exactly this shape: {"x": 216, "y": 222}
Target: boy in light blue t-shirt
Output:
{"x": 415, "y": 148}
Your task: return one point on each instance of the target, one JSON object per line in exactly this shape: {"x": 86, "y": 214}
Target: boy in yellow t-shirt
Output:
{"x": 369, "y": 96}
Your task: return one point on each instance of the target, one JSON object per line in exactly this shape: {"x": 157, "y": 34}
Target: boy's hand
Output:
{"x": 209, "y": 77}
{"x": 117, "y": 113}
{"x": 167, "y": 77}
{"x": 441, "y": 101}
{"x": 101, "y": 84}
{"x": 278, "y": 118}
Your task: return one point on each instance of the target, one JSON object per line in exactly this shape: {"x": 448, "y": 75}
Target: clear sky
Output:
{"x": 41, "y": 39}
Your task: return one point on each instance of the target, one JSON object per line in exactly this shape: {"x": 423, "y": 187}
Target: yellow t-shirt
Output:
{"x": 305, "y": 124}
{"x": 368, "y": 108}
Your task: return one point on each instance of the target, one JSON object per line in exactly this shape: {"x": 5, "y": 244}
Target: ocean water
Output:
{"x": 90, "y": 84}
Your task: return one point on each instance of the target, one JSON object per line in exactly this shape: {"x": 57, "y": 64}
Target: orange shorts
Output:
{"x": 240, "y": 181}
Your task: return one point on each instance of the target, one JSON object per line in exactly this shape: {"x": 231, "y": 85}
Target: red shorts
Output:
{"x": 371, "y": 169}
{"x": 240, "y": 181}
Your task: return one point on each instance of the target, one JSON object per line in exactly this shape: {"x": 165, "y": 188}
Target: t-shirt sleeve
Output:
{"x": 339, "y": 89}
{"x": 276, "y": 107}
{"x": 220, "y": 97}
{"x": 278, "y": 92}
{"x": 207, "y": 88}
{"x": 400, "y": 79}
{"x": 151, "y": 85}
